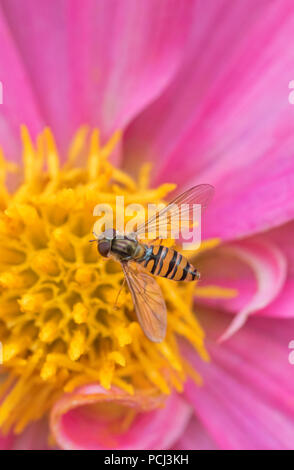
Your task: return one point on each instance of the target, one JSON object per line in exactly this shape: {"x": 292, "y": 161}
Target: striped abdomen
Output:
{"x": 169, "y": 263}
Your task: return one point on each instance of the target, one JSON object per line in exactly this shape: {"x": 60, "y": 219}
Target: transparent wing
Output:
{"x": 167, "y": 216}
{"x": 148, "y": 301}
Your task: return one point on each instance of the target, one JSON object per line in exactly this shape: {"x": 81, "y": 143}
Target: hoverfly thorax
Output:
{"x": 122, "y": 248}
{"x": 127, "y": 248}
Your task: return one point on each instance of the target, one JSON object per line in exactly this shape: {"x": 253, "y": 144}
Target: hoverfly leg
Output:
{"x": 118, "y": 294}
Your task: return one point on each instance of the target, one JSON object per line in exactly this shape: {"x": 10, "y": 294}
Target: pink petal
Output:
{"x": 195, "y": 437}
{"x": 20, "y": 104}
{"x": 246, "y": 401}
{"x": 6, "y": 442}
{"x": 34, "y": 437}
{"x": 77, "y": 423}
{"x": 95, "y": 62}
{"x": 268, "y": 265}
{"x": 283, "y": 237}
{"x": 226, "y": 118}
{"x": 222, "y": 267}
{"x": 282, "y": 305}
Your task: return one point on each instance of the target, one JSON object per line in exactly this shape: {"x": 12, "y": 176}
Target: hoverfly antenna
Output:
{"x": 94, "y": 239}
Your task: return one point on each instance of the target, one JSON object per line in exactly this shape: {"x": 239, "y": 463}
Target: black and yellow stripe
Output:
{"x": 167, "y": 262}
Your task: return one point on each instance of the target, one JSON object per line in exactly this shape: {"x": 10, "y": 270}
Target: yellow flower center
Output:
{"x": 58, "y": 325}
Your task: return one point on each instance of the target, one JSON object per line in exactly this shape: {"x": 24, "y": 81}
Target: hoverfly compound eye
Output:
{"x": 104, "y": 247}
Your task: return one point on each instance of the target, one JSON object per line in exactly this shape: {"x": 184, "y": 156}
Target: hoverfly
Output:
{"x": 140, "y": 262}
